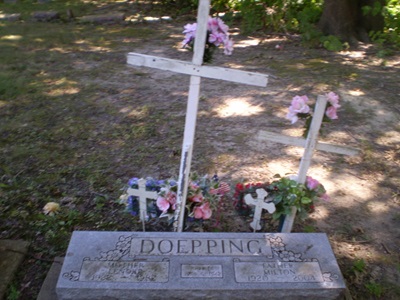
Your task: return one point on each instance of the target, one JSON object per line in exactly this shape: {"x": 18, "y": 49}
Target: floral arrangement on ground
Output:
{"x": 285, "y": 193}
{"x": 203, "y": 198}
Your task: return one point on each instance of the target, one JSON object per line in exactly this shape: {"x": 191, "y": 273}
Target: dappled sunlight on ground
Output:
{"x": 246, "y": 43}
{"x": 356, "y": 93}
{"x": 63, "y": 91}
{"x": 11, "y": 37}
{"x": 237, "y": 107}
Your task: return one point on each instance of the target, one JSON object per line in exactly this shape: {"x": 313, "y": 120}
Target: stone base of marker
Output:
{"x": 162, "y": 265}
{"x": 104, "y": 19}
{"x": 10, "y": 17}
{"x": 45, "y": 16}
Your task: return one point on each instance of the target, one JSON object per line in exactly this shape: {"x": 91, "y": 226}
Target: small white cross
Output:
{"x": 143, "y": 195}
{"x": 260, "y": 205}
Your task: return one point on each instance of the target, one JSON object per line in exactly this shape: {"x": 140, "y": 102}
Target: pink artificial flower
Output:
{"x": 331, "y": 113}
{"x": 217, "y": 25}
{"x": 312, "y": 183}
{"x": 222, "y": 26}
{"x": 203, "y": 211}
{"x": 325, "y": 197}
{"x": 216, "y": 38}
{"x": 194, "y": 186}
{"x": 171, "y": 197}
{"x": 299, "y": 105}
{"x": 228, "y": 44}
{"x": 162, "y": 204}
{"x": 212, "y": 24}
{"x": 197, "y": 198}
{"x": 333, "y": 99}
{"x": 292, "y": 117}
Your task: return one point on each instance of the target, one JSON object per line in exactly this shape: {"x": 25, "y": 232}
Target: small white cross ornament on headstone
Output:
{"x": 260, "y": 204}
{"x": 196, "y": 71}
{"x": 143, "y": 195}
{"x": 309, "y": 144}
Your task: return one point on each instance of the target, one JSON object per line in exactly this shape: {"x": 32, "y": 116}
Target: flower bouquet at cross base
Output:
{"x": 217, "y": 35}
{"x": 299, "y": 109}
{"x": 285, "y": 193}
{"x": 203, "y": 197}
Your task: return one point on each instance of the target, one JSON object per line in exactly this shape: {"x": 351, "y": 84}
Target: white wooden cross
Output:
{"x": 143, "y": 195}
{"x": 196, "y": 71}
{"x": 260, "y": 205}
{"x": 309, "y": 144}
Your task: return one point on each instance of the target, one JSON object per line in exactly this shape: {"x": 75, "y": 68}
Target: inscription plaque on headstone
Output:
{"x": 155, "y": 265}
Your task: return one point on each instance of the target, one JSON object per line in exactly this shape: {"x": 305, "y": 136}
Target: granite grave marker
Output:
{"x": 155, "y": 265}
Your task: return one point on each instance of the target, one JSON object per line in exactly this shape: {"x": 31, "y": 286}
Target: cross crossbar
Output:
{"x": 301, "y": 142}
{"x": 189, "y": 68}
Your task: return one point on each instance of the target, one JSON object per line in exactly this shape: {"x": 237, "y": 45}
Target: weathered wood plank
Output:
{"x": 201, "y": 32}
{"x": 300, "y": 142}
{"x": 191, "y": 115}
{"x": 184, "y": 67}
{"x": 311, "y": 143}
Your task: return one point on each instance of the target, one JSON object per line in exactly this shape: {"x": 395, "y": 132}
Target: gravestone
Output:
{"x": 165, "y": 265}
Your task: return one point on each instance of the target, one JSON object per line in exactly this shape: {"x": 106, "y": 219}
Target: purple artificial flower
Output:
{"x": 222, "y": 26}
{"x": 190, "y": 33}
{"x": 312, "y": 183}
{"x": 133, "y": 181}
{"x": 216, "y": 38}
{"x": 228, "y": 44}
{"x": 292, "y": 117}
{"x": 218, "y": 34}
{"x": 325, "y": 197}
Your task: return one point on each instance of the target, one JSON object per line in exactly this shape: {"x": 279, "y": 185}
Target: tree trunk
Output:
{"x": 345, "y": 19}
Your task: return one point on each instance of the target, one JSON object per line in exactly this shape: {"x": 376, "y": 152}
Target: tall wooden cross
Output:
{"x": 196, "y": 71}
{"x": 309, "y": 144}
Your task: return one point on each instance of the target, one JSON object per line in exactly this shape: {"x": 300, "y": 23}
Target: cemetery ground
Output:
{"x": 76, "y": 123}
